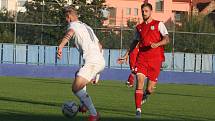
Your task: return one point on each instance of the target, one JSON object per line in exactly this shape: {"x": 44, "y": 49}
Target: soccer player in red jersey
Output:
{"x": 151, "y": 35}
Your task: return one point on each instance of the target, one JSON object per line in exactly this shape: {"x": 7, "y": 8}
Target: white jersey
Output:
{"x": 86, "y": 42}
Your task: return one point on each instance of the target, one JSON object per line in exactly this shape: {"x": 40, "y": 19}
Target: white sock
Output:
{"x": 139, "y": 109}
{"x": 85, "y": 98}
{"x": 85, "y": 89}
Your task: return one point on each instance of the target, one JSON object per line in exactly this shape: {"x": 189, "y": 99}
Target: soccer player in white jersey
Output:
{"x": 88, "y": 45}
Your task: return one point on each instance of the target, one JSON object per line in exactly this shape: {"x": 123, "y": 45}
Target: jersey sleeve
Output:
{"x": 135, "y": 40}
{"x": 162, "y": 29}
{"x": 71, "y": 26}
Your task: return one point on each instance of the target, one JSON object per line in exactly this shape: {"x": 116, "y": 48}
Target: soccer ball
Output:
{"x": 70, "y": 109}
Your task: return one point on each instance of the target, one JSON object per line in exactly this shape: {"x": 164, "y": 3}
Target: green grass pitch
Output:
{"x": 40, "y": 99}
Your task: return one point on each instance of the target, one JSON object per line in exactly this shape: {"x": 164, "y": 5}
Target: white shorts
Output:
{"x": 89, "y": 70}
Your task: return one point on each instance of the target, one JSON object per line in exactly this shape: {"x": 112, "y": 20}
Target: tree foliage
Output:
{"x": 196, "y": 42}
{"x": 50, "y": 14}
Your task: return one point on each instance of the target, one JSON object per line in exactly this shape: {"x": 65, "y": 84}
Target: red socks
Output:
{"x": 138, "y": 97}
{"x": 131, "y": 79}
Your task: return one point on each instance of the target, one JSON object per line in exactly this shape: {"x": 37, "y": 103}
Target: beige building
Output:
{"x": 12, "y": 5}
{"x": 18, "y": 5}
{"x": 168, "y": 11}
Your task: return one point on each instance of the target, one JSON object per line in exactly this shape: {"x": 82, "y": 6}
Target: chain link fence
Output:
{"x": 192, "y": 39}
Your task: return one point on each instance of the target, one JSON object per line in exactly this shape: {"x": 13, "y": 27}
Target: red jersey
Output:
{"x": 149, "y": 33}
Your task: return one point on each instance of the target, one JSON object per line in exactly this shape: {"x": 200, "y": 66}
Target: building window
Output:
{"x": 136, "y": 11}
{"x": 105, "y": 13}
{"x": 180, "y": 16}
{"x": 112, "y": 16}
{"x": 177, "y": 16}
{"x": 128, "y": 11}
{"x": 4, "y": 4}
{"x": 159, "y": 5}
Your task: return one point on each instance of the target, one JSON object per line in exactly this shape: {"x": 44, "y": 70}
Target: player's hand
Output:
{"x": 154, "y": 45}
{"x": 122, "y": 60}
{"x": 59, "y": 53}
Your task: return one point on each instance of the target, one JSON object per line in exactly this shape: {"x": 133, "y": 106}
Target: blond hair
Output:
{"x": 70, "y": 10}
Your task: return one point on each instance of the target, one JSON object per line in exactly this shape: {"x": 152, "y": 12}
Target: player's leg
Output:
{"x": 149, "y": 90}
{"x": 141, "y": 72}
{"x": 145, "y": 92}
{"x": 139, "y": 93}
{"x": 130, "y": 81}
{"x": 83, "y": 108}
{"x": 80, "y": 92}
{"x": 151, "y": 86}
{"x": 83, "y": 77}
{"x": 132, "y": 62}
{"x": 78, "y": 89}
{"x": 153, "y": 73}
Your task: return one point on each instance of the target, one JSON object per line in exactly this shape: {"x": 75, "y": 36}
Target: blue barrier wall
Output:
{"x": 213, "y": 63}
{"x": 41, "y": 54}
{"x": 32, "y": 56}
{"x": 1, "y": 50}
{"x": 49, "y": 71}
{"x": 46, "y": 55}
{"x": 41, "y": 61}
{"x": 73, "y": 54}
{"x": 20, "y": 54}
{"x": 50, "y": 55}
{"x": 7, "y": 55}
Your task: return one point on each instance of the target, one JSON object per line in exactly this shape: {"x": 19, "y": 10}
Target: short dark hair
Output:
{"x": 146, "y": 5}
{"x": 70, "y": 9}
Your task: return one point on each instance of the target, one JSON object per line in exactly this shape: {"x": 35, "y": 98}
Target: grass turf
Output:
{"x": 34, "y": 99}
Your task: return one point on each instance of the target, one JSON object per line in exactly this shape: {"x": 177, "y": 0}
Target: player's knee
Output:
{"x": 149, "y": 90}
{"x": 74, "y": 89}
{"x": 77, "y": 86}
{"x": 140, "y": 85}
{"x": 140, "y": 77}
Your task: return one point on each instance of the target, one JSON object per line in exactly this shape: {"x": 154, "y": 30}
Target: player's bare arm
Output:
{"x": 163, "y": 42}
{"x": 64, "y": 41}
{"x": 124, "y": 58}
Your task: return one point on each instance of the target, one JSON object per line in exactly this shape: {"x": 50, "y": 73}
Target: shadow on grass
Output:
{"x": 9, "y": 99}
{"x": 169, "y": 116}
{"x": 15, "y": 115}
{"x": 186, "y": 95}
{"x": 31, "y": 117}
{"x": 67, "y": 81}
{"x": 106, "y": 110}
{"x": 48, "y": 80}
